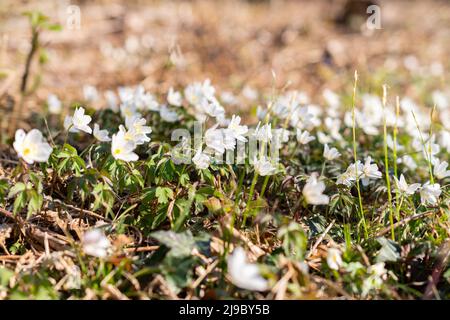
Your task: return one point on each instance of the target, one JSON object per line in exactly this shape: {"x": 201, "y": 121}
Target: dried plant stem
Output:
{"x": 23, "y": 85}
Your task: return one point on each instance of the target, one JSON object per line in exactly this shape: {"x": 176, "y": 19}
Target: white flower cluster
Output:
{"x": 363, "y": 172}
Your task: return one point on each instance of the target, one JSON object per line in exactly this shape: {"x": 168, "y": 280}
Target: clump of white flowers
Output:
{"x": 357, "y": 170}
{"x": 138, "y": 131}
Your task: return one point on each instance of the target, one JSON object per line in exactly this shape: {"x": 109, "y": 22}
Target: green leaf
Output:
{"x": 3, "y": 189}
{"x": 19, "y": 187}
{"x": 5, "y": 276}
{"x": 35, "y": 203}
{"x": 20, "y": 202}
{"x": 181, "y": 244}
{"x": 390, "y": 251}
{"x": 163, "y": 194}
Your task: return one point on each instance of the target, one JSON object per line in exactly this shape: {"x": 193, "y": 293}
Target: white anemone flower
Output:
{"x": 201, "y": 160}
{"x": 444, "y": 137}
{"x": 313, "y": 191}
{"x": 440, "y": 99}
{"x": 214, "y": 139}
{"x": 219, "y": 139}
{"x": 429, "y": 193}
{"x": 101, "y": 135}
{"x": 334, "y": 259}
{"x": 369, "y": 171}
{"x": 237, "y": 130}
{"x": 229, "y": 98}
{"x": 330, "y": 154}
{"x": 440, "y": 169}
{"x": 249, "y": 93}
{"x": 122, "y": 148}
{"x": 174, "y": 98}
{"x": 349, "y": 175}
{"x": 263, "y": 166}
{"x": 333, "y": 126}
{"x": 408, "y": 161}
{"x": 90, "y": 93}
{"x": 303, "y": 137}
{"x": 243, "y": 274}
{"x": 332, "y": 99}
{"x": 78, "y": 122}
{"x": 261, "y": 113}
{"x": 95, "y": 243}
{"x": 138, "y": 129}
{"x": 129, "y": 109}
{"x": 404, "y": 188}
{"x": 54, "y": 104}
{"x": 263, "y": 133}
{"x": 31, "y": 146}
{"x": 323, "y": 138}
{"x": 377, "y": 274}
{"x": 168, "y": 115}
{"x": 213, "y": 108}
{"x": 199, "y": 93}
{"x": 111, "y": 100}
{"x": 390, "y": 143}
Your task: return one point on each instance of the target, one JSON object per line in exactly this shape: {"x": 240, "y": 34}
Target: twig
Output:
{"x": 404, "y": 221}
{"x": 444, "y": 255}
{"x": 10, "y": 257}
{"x": 316, "y": 244}
{"x": 142, "y": 249}
{"x": 203, "y": 276}
{"x": 333, "y": 286}
{"x": 84, "y": 211}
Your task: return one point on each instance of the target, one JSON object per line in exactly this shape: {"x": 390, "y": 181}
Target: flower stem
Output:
{"x": 323, "y": 168}
{"x": 386, "y": 165}
{"x": 264, "y": 186}
{"x": 397, "y": 114}
{"x": 427, "y": 152}
{"x": 361, "y": 210}
{"x": 250, "y": 197}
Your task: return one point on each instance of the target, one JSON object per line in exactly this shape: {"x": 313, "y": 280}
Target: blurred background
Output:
{"x": 306, "y": 45}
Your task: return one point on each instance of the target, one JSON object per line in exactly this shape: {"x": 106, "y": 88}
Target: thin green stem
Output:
{"x": 323, "y": 168}
{"x": 355, "y": 156}
{"x": 427, "y": 152}
{"x": 397, "y": 114}
{"x": 399, "y": 207}
{"x": 250, "y": 197}
{"x": 386, "y": 166}
{"x": 264, "y": 186}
